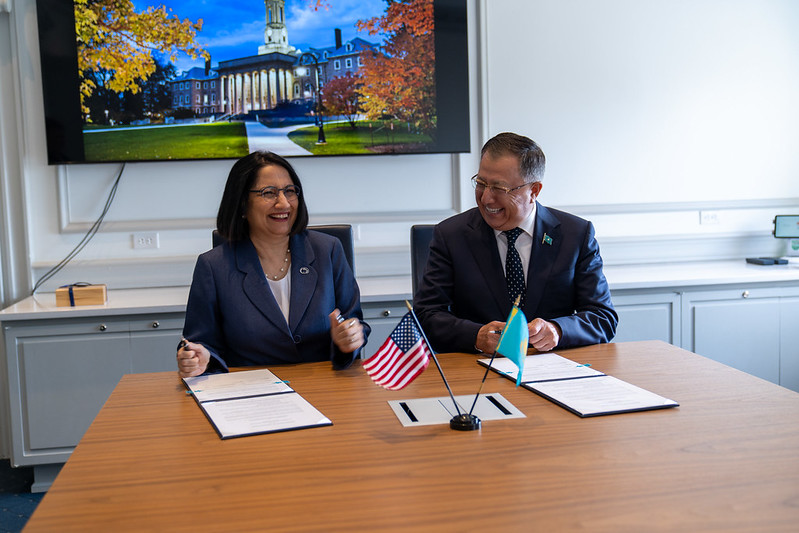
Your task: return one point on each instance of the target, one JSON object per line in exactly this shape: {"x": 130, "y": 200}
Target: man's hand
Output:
{"x": 488, "y": 337}
{"x": 544, "y": 336}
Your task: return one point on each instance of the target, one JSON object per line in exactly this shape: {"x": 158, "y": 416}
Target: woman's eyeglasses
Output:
{"x": 270, "y": 194}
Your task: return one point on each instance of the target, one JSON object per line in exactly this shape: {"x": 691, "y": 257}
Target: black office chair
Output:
{"x": 342, "y": 232}
{"x": 421, "y": 235}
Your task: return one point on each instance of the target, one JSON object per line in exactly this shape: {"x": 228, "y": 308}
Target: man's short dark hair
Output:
{"x": 231, "y": 221}
{"x": 532, "y": 161}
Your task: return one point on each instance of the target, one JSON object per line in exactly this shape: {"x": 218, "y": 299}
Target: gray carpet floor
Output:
{"x": 16, "y": 501}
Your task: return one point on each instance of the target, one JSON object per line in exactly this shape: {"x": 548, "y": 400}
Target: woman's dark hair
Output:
{"x": 231, "y": 221}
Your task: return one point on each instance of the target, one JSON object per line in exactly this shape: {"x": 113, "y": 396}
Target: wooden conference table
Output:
{"x": 726, "y": 460}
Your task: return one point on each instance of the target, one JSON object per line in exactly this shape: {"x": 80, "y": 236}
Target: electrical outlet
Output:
{"x": 708, "y": 217}
{"x": 145, "y": 239}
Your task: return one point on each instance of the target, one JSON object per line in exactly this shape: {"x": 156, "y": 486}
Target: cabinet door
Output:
{"x": 737, "y": 327}
{"x": 648, "y": 317}
{"x": 383, "y": 317}
{"x": 59, "y": 378}
{"x": 153, "y": 343}
{"x": 789, "y": 343}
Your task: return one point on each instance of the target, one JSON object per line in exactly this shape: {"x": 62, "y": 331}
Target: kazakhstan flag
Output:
{"x": 514, "y": 339}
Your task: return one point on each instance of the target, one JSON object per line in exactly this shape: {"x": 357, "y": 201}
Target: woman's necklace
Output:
{"x": 283, "y": 268}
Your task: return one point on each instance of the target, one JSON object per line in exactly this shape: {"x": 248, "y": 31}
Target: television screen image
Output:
{"x": 178, "y": 80}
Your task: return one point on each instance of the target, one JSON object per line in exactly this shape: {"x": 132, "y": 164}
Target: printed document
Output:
{"x": 252, "y": 402}
{"x": 577, "y": 387}
{"x": 541, "y": 367}
{"x": 601, "y": 395}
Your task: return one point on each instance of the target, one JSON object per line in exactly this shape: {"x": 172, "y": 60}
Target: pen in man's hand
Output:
{"x": 182, "y": 344}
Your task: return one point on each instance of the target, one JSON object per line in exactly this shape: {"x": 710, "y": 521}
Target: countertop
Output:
{"x": 398, "y": 288}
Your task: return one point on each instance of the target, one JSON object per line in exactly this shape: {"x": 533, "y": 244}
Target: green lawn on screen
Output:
{"x": 366, "y": 138}
{"x": 195, "y": 141}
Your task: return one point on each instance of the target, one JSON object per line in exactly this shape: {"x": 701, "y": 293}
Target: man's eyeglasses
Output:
{"x": 270, "y": 194}
{"x": 481, "y": 185}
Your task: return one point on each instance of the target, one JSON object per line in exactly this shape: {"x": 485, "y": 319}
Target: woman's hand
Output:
{"x": 193, "y": 359}
{"x": 347, "y": 334}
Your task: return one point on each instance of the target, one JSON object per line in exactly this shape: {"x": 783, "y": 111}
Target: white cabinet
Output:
{"x": 647, "y": 316}
{"x": 62, "y": 370}
{"x": 739, "y": 327}
{"x": 752, "y": 326}
{"x": 789, "y": 342}
{"x": 747, "y": 327}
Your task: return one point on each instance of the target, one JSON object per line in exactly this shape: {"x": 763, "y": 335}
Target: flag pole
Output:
{"x": 476, "y": 396}
{"x": 515, "y": 304}
{"x": 433, "y": 353}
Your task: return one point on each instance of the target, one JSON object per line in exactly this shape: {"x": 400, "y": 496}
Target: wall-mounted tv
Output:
{"x": 159, "y": 80}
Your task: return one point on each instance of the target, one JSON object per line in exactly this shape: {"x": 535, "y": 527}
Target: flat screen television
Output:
{"x": 297, "y": 77}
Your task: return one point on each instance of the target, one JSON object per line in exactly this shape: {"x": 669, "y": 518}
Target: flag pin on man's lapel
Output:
{"x": 546, "y": 240}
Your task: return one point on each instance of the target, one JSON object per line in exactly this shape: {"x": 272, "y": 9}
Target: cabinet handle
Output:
{"x": 102, "y": 327}
{"x": 745, "y": 294}
{"x": 387, "y": 312}
{"x": 155, "y": 324}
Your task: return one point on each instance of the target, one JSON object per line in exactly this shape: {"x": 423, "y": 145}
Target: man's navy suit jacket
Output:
{"x": 232, "y": 312}
{"x": 464, "y": 288}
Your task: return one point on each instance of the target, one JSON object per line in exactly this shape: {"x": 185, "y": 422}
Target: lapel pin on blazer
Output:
{"x": 546, "y": 240}
{"x": 304, "y": 270}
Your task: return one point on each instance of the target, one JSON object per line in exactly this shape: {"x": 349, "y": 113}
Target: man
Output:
{"x": 554, "y": 265}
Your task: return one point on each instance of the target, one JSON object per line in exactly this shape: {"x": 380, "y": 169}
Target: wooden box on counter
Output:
{"x": 72, "y": 295}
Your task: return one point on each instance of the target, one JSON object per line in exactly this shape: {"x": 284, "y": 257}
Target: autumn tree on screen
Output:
{"x": 340, "y": 97}
{"x": 116, "y": 43}
{"x": 399, "y": 79}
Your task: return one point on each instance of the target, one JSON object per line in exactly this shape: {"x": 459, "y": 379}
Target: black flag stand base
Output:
{"x": 464, "y": 422}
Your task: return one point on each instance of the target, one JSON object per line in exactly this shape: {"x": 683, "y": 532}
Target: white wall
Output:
{"x": 652, "y": 111}
{"x": 649, "y": 113}
{"x": 649, "y": 101}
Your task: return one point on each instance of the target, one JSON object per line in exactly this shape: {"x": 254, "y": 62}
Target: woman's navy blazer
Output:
{"x": 232, "y": 312}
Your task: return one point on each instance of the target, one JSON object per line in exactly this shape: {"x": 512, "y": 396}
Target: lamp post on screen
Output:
{"x": 321, "y": 137}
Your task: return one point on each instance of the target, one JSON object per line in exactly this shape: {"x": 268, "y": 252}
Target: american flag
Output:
{"x": 402, "y": 357}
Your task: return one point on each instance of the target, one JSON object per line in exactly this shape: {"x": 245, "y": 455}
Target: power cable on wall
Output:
{"x": 86, "y": 238}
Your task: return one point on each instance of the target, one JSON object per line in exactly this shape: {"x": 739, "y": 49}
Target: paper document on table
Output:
{"x": 429, "y": 411}
{"x": 235, "y": 385}
{"x": 601, "y": 395}
{"x": 541, "y": 367}
{"x": 263, "y": 414}
{"x": 251, "y": 402}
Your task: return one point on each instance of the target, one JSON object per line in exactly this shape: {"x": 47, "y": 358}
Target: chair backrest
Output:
{"x": 421, "y": 235}
{"x": 342, "y": 232}
{"x": 216, "y": 238}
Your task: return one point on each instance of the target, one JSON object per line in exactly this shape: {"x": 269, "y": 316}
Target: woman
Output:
{"x": 274, "y": 292}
